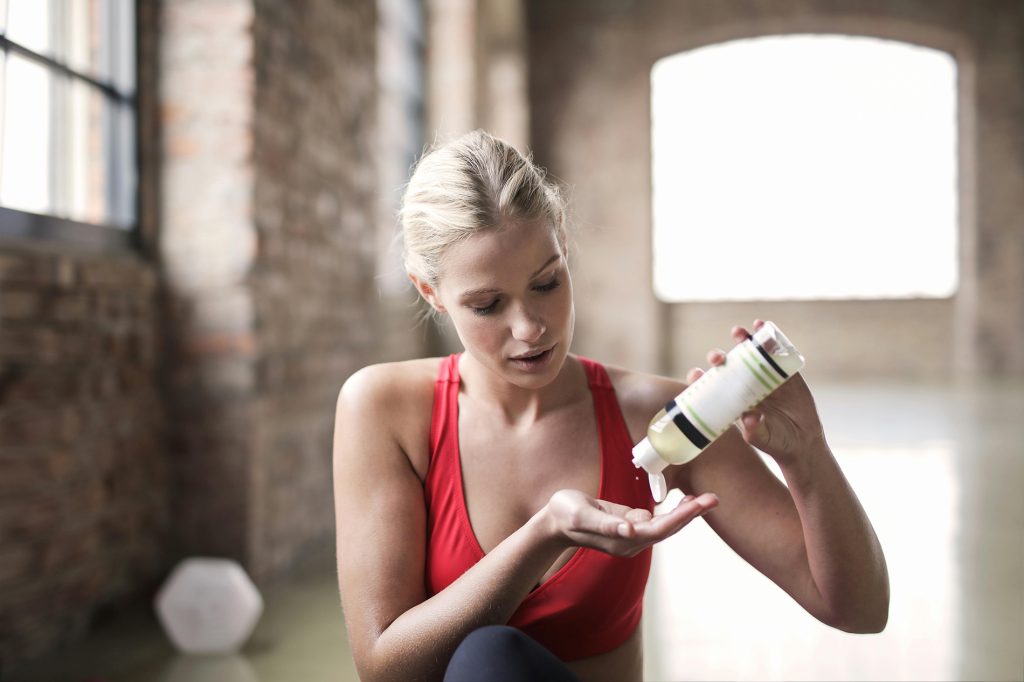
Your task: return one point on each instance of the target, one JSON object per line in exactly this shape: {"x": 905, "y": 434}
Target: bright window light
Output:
{"x": 804, "y": 167}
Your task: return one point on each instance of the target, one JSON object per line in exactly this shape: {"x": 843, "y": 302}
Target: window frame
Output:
{"x": 19, "y": 225}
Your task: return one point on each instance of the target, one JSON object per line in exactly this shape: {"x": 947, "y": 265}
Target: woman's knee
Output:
{"x": 495, "y": 638}
{"x": 501, "y": 652}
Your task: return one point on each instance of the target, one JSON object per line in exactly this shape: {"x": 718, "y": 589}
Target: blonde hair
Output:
{"x": 469, "y": 184}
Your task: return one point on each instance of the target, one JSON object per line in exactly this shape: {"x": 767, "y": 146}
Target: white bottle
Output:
{"x": 708, "y": 407}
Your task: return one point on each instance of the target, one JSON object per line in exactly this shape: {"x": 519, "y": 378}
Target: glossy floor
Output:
{"x": 939, "y": 470}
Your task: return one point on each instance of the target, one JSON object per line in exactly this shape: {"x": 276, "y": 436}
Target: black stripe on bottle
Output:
{"x": 684, "y": 424}
{"x": 767, "y": 356}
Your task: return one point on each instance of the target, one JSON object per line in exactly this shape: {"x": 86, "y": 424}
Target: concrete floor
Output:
{"x": 939, "y": 470}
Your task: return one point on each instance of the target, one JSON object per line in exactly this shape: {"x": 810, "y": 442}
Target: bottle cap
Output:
{"x": 647, "y": 458}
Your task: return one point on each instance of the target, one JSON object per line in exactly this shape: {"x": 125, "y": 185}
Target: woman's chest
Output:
{"x": 509, "y": 473}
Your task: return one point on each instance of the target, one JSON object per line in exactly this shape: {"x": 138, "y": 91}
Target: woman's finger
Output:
{"x": 664, "y": 525}
{"x": 739, "y": 334}
{"x": 751, "y": 419}
{"x": 716, "y": 356}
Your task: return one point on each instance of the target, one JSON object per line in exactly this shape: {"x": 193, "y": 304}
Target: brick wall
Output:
{"x": 313, "y": 282}
{"x": 178, "y": 399}
{"x": 270, "y": 241}
{"x": 84, "y": 481}
{"x": 590, "y": 124}
{"x": 83, "y": 489}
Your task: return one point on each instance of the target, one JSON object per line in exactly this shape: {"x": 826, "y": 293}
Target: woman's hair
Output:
{"x": 472, "y": 183}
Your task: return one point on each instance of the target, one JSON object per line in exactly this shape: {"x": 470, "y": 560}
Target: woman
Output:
{"x": 494, "y": 487}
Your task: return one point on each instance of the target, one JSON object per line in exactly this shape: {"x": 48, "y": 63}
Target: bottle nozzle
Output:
{"x": 647, "y": 458}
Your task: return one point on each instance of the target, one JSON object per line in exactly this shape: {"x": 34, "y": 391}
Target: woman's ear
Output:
{"x": 428, "y": 293}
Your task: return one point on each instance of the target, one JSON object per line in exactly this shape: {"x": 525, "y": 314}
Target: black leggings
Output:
{"x": 499, "y": 653}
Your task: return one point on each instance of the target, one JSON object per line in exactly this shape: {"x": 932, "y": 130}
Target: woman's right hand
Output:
{"x": 579, "y": 520}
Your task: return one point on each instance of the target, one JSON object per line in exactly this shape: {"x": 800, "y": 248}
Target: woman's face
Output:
{"x": 510, "y": 297}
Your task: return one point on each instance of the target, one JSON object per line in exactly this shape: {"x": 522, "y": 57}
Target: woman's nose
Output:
{"x": 527, "y": 326}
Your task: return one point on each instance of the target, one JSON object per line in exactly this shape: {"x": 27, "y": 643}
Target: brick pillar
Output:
{"x": 270, "y": 249}
{"x": 207, "y": 246}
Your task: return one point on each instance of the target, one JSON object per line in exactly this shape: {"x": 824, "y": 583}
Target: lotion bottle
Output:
{"x": 706, "y": 408}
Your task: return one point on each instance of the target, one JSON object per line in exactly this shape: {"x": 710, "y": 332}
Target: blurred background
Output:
{"x": 197, "y": 230}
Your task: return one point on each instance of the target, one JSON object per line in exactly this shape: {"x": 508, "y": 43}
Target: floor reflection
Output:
{"x": 937, "y": 494}
{"x": 232, "y": 668}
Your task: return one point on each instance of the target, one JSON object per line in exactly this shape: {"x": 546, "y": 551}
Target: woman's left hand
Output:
{"x": 785, "y": 424}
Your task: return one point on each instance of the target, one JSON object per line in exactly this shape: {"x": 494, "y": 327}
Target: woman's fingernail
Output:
{"x": 624, "y": 530}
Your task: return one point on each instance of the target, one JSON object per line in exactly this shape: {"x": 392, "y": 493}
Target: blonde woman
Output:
{"x": 490, "y": 523}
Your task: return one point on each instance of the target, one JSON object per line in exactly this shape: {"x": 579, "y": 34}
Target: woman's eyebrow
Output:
{"x": 470, "y": 293}
{"x": 548, "y": 262}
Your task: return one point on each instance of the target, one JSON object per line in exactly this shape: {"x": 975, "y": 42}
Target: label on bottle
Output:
{"x": 718, "y": 398}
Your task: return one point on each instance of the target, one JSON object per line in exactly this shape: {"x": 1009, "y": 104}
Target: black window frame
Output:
{"x": 23, "y": 226}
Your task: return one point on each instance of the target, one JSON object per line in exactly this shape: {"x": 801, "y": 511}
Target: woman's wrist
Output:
{"x": 799, "y": 467}
{"x": 546, "y": 530}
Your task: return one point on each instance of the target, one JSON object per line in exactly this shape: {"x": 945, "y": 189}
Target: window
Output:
{"x": 805, "y": 167}
{"x": 67, "y": 117}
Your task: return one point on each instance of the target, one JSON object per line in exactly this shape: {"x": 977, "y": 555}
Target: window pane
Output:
{"x": 29, "y": 24}
{"x": 84, "y": 36}
{"x": 86, "y": 167}
{"x": 100, "y": 168}
{"x": 123, "y": 35}
{"x": 99, "y": 40}
{"x": 123, "y": 176}
{"x": 25, "y": 170}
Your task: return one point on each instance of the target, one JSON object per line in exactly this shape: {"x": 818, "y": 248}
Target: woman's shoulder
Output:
{"x": 641, "y": 394}
{"x": 397, "y": 399}
{"x": 634, "y": 386}
{"x": 392, "y": 383}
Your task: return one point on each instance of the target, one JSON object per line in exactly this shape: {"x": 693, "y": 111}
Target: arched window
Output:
{"x": 804, "y": 167}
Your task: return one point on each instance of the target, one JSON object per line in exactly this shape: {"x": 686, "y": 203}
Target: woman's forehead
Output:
{"x": 515, "y": 250}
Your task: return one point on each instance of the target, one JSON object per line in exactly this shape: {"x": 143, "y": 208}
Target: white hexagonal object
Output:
{"x": 208, "y": 606}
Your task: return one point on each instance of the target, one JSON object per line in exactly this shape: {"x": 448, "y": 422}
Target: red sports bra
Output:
{"x": 593, "y": 603}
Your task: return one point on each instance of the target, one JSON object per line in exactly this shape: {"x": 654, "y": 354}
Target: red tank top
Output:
{"x": 593, "y": 603}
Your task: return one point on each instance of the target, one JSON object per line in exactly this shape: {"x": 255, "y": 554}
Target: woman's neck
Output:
{"x": 516, "y": 405}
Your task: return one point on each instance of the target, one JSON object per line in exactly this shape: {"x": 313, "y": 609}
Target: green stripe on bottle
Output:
{"x": 772, "y": 377}
{"x": 753, "y": 370}
{"x": 695, "y": 417}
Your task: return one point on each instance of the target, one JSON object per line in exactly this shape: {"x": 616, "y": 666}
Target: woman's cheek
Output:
{"x": 483, "y": 330}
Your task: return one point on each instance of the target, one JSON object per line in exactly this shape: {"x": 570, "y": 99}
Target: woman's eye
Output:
{"x": 485, "y": 310}
{"x": 550, "y": 286}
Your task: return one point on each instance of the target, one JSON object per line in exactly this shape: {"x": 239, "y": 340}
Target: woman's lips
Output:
{"x": 533, "y": 363}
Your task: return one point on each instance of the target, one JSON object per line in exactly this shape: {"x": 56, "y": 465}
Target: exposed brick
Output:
{"x": 20, "y": 305}
{"x": 189, "y": 403}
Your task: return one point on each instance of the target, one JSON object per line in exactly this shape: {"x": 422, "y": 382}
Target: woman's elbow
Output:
{"x": 865, "y": 620}
{"x": 865, "y": 625}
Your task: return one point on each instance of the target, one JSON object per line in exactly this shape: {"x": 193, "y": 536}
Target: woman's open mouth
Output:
{"x": 534, "y": 362}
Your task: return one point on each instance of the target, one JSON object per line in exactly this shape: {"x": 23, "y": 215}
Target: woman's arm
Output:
{"x": 813, "y": 539}
{"x": 396, "y": 631}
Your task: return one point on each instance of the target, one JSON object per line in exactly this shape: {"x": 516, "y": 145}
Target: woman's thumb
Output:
{"x": 752, "y": 422}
